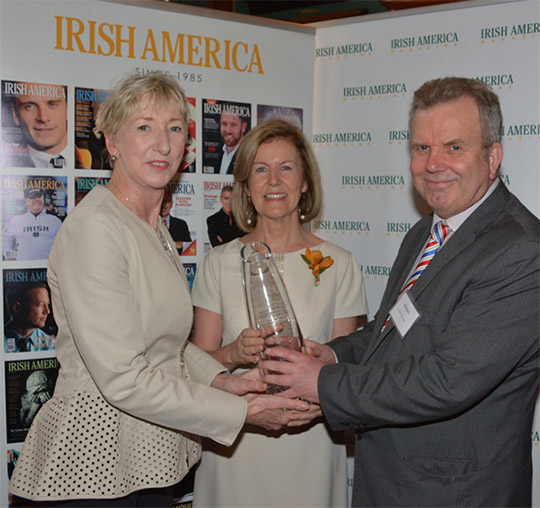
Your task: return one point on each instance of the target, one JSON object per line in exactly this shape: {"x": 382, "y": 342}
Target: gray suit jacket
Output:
{"x": 444, "y": 415}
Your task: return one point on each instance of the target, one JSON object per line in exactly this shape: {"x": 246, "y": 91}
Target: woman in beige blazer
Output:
{"x": 131, "y": 391}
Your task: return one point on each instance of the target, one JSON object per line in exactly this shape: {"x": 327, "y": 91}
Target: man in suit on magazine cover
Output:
{"x": 222, "y": 227}
{"x": 43, "y": 123}
{"x": 178, "y": 228}
{"x": 29, "y": 306}
{"x": 441, "y": 386}
{"x": 232, "y": 129}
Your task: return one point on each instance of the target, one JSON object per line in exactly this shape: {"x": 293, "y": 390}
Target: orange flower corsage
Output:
{"x": 317, "y": 263}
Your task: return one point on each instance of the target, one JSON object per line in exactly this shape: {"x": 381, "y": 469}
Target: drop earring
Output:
{"x": 249, "y": 212}
{"x": 300, "y": 213}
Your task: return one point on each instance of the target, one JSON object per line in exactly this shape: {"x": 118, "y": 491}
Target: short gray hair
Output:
{"x": 442, "y": 90}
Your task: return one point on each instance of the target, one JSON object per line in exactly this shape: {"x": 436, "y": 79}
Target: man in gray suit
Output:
{"x": 441, "y": 385}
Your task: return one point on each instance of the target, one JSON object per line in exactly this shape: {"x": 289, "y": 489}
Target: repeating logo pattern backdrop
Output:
{"x": 366, "y": 71}
{"x": 59, "y": 80}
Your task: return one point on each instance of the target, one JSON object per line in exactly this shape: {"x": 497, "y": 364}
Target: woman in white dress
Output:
{"x": 277, "y": 188}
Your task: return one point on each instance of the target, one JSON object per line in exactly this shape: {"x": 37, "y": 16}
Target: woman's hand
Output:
{"x": 247, "y": 347}
{"x": 240, "y": 384}
{"x": 273, "y": 412}
{"x": 208, "y": 333}
{"x": 299, "y": 418}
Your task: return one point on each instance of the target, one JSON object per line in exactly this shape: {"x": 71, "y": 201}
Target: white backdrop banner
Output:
{"x": 366, "y": 71}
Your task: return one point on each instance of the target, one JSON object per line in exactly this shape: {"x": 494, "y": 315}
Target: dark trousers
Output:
{"x": 146, "y": 498}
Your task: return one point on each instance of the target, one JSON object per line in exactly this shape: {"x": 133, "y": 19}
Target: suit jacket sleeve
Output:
{"x": 179, "y": 230}
{"x": 351, "y": 348}
{"x": 478, "y": 328}
{"x": 213, "y": 230}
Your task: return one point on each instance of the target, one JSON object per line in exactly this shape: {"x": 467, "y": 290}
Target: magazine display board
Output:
{"x": 236, "y": 68}
{"x": 366, "y": 71}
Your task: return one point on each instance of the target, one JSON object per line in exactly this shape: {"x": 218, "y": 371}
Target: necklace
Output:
{"x": 111, "y": 184}
{"x": 128, "y": 203}
{"x": 163, "y": 240}
{"x": 168, "y": 249}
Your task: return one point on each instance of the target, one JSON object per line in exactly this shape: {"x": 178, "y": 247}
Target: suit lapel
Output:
{"x": 476, "y": 224}
{"x": 409, "y": 251}
{"x": 459, "y": 241}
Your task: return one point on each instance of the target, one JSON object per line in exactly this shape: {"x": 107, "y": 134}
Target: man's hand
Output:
{"x": 273, "y": 412}
{"x": 321, "y": 351}
{"x": 240, "y": 384}
{"x": 299, "y": 372}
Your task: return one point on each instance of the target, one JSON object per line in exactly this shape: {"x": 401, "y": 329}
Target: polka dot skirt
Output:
{"x": 81, "y": 447}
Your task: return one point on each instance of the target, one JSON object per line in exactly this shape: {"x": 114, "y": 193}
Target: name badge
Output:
{"x": 404, "y": 314}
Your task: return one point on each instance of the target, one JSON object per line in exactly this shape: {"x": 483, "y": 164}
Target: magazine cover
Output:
{"x": 33, "y": 208}
{"x": 29, "y": 384}
{"x": 28, "y": 317}
{"x": 220, "y": 224}
{"x": 12, "y": 457}
{"x": 190, "y": 269}
{"x": 178, "y": 215}
{"x": 34, "y": 125}
{"x": 188, "y": 162}
{"x": 84, "y": 184}
{"x": 90, "y": 151}
{"x": 224, "y": 126}
{"x": 292, "y": 115}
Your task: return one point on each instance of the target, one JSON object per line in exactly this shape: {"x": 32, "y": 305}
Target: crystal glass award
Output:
{"x": 268, "y": 303}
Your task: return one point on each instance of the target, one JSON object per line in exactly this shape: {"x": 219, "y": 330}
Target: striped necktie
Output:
{"x": 438, "y": 235}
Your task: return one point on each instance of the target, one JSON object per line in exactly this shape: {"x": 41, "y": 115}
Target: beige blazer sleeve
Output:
{"x": 202, "y": 369}
{"x": 122, "y": 326}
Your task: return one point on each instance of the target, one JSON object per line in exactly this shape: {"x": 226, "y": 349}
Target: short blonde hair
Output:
{"x": 310, "y": 202}
{"x": 128, "y": 93}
